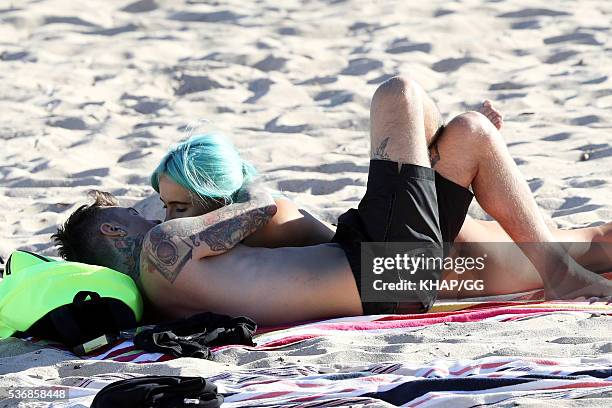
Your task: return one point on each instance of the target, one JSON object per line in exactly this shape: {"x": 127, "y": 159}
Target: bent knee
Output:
{"x": 472, "y": 126}
{"x": 395, "y": 88}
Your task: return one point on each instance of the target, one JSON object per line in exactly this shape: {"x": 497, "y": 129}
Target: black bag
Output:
{"x": 159, "y": 392}
{"x": 87, "y": 324}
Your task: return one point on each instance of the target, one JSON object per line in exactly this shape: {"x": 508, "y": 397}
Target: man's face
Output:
{"x": 180, "y": 202}
{"x": 128, "y": 219}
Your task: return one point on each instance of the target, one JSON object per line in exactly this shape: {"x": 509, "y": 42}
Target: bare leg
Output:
{"x": 397, "y": 123}
{"x": 591, "y": 247}
{"x": 471, "y": 152}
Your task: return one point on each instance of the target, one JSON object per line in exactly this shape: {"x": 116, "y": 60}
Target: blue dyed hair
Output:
{"x": 207, "y": 165}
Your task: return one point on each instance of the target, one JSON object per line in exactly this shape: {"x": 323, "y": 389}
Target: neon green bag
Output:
{"x": 70, "y": 302}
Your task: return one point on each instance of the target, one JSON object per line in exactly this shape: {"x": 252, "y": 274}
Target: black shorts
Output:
{"x": 413, "y": 205}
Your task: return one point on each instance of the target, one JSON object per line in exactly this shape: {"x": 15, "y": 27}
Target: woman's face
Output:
{"x": 180, "y": 202}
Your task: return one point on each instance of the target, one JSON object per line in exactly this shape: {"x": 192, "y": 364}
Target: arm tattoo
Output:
{"x": 172, "y": 244}
{"x": 381, "y": 151}
{"x": 162, "y": 251}
{"x": 434, "y": 155}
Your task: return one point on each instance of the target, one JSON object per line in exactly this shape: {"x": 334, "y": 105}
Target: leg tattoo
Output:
{"x": 381, "y": 151}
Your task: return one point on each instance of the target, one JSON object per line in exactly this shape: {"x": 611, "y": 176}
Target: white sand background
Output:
{"x": 93, "y": 93}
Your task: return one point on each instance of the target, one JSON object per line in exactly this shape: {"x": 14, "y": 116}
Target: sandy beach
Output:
{"x": 92, "y": 95}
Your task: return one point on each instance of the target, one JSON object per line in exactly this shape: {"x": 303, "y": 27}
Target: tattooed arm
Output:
{"x": 170, "y": 245}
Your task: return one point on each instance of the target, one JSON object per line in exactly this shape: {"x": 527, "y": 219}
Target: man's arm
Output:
{"x": 170, "y": 245}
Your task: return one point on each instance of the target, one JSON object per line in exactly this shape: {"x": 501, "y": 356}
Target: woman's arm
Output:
{"x": 290, "y": 227}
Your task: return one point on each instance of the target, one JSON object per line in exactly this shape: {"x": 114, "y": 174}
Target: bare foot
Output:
{"x": 492, "y": 113}
{"x": 580, "y": 284}
{"x": 605, "y": 233}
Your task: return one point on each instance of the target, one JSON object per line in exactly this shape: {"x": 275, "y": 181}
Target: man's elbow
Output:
{"x": 270, "y": 210}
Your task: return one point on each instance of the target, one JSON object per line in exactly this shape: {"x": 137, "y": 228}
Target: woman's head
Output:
{"x": 199, "y": 175}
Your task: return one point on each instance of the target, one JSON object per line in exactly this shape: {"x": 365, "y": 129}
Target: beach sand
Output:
{"x": 93, "y": 94}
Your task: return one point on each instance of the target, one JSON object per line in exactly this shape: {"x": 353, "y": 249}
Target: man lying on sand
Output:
{"x": 417, "y": 191}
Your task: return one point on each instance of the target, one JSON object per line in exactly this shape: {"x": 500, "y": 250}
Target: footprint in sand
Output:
{"x": 510, "y": 95}
{"x": 519, "y": 161}
{"x": 149, "y": 106}
{"x": 275, "y": 127}
{"x": 575, "y": 38}
{"x": 196, "y": 83}
{"x": 506, "y": 86}
{"x": 225, "y": 57}
{"x": 526, "y": 25}
{"x": 271, "y": 63}
{"x": 575, "y": 182}
{"x": 110, "y": 32}
{"x": 574, "y": 205}
{"x": 585, "y": 120}
{"x": 143, "y": 135}
{"x": 361, "y": 66}
{"x": 133, "y": 155}
{"x": 141, "y": 6}
{"x": 223, "y": 16}
{"x": 535, "y": 184}
{"x": 288, "y": 31}
{"x": 335, "y": 97}
{"x": 573, "y": 202}
{"x": 403, "y": 45}
{"x": 560, "y": 56}
{"x": 453, "y": 64}
{"x": 259, "y": 87}
{"x": 573, "y": 340}
{"x": 365, "y": 27}
{"x": 24, "y": 56}
{"x": 557, "y": 137}
{"x": 70, "y": 123}
{"x": 531, "y": 17}
{"x": 29, "y": 182}
{"x": 68, "y": 20}
{"x": 330, "y": 79}
{"x": 534, "y": 12}
{"x": 99, "y": 172}
{"x": 442, "y": 12}
{"x": 595, "y": 81}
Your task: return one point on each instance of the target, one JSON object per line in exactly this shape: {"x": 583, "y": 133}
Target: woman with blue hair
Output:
{"x": 206, "y": 172}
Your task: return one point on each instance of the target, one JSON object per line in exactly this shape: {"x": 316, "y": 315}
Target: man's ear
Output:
{"x": 112, "y": 230}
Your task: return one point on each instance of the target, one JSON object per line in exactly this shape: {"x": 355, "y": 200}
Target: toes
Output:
{"x": 494, "y": 116}
{"x": 498, "y": 122}
{"x": 594, "y": 299}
